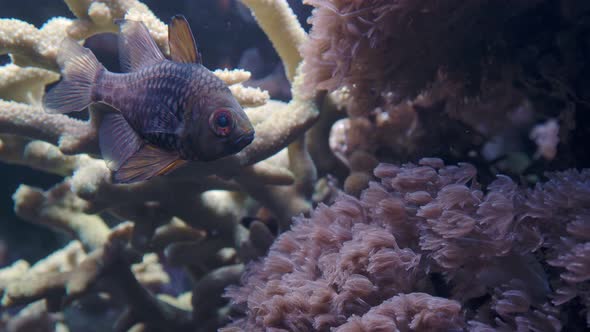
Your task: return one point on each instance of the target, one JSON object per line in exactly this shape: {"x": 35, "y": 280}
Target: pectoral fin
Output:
{"x": 146, "y": 163}
{"x": 181, "y": 41}
{"x": 117, "y": 140}
{"x": 128, "y": 156}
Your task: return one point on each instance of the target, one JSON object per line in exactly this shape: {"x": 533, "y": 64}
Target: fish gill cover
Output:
{"x": 336, "y": 216}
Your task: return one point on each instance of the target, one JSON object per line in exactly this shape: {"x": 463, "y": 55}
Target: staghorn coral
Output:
{"x": 427, "y": 248}
{"x": 35, "y": 317}
{"x": 190, "y": 218}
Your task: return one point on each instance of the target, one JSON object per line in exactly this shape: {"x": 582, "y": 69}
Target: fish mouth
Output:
{"x": 242, "y": 141}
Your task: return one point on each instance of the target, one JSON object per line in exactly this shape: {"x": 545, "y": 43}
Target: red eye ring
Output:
{"x": 221, "y": 122}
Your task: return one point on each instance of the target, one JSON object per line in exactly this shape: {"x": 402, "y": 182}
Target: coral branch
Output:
{"x": 211, "y": 198}
{"x": 39, "y": 155}
{"x": 59, "y": 208}
{"x": 248, "y": 96}
{"x": 279, "y": 23}
{"x": 32, "y": 121}
{"x": 24, "y": 85}
{"x": 211, "y": 287}
{"x": 31, "y": 46}
{"x": 95, "y": 17}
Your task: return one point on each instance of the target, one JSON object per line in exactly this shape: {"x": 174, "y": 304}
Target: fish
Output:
{"x": 163, "y": 112}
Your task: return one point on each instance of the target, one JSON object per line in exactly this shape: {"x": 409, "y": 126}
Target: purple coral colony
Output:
{"x": 416, "y": 166}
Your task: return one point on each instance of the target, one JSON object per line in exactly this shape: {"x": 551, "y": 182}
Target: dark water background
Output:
{"x": 227, "y": 36}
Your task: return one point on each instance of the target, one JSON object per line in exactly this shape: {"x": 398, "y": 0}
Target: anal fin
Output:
{"x": 149, "y": 161}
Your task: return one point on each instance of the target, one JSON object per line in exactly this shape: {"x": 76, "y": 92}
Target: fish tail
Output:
{"x": 80, "y": 70}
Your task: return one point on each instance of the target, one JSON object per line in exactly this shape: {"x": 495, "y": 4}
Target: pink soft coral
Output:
{"x": 428, "y": 241}
{"x": 477, "y": 76}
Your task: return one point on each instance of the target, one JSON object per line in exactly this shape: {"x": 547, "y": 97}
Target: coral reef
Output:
{"x": 427, "y": 248}
{"x": 475, "y": 75}
{"x": 190, "y": 219}
{"x": 326, "y": 221}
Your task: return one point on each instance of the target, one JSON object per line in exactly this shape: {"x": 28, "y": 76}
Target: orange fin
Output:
{"x": 146, "y": 163}
{"x": 137, "y": 48}
{"x": 181, "y": 41}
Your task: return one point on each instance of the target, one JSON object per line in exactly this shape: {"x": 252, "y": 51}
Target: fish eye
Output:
{"x": 221, "y": 122}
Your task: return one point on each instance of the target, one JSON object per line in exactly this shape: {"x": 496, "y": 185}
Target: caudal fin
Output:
{"x": 79, "y": 68}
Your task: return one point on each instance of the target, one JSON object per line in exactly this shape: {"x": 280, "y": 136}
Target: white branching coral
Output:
{"x": 279, "y": 126}
{"x": 26, "y": 84}
{"x": 279, "y": 23}
{"x": 191, "y": 215}
{"x": 29, "y": 46}
{"x": 99, "y": 16}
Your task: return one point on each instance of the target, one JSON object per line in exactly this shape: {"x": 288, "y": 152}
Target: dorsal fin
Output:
{"x": 137, "y": 48}
{"x": 181, "y": 41}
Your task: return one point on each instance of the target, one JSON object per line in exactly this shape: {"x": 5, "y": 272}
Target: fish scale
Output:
{"x": 138, "y": 92}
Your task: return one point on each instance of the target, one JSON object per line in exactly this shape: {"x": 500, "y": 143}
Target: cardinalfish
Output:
{"x": 164, "y": 111}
